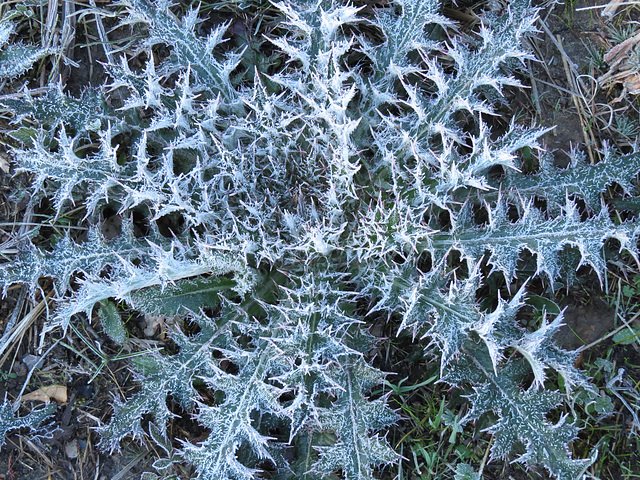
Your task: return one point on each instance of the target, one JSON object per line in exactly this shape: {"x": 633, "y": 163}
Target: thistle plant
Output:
{"x": 321, "y": 169}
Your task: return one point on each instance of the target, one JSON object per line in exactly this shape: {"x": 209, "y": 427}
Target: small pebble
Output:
{"x": 31, "y": 360}
{"x": 71, "y": 449}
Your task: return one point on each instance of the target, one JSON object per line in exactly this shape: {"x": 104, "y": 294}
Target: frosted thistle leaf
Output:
{"x": 17, "y": 59}
{"x": 32, "y": 421}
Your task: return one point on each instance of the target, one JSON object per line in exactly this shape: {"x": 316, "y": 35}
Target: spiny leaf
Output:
{"x": 466, "y": 472}
{"x": 522, "y": 417}
{"x": 133, "y": 278}
{"x": 16, "y": 59}
{"x": 182, "y": 297}
{"x": 6, "y": 29}
{"x": 83, "y": 114}
{"x": 188, "y": 48}
{"x": 406, "y": 33}
{"x": 231, "y": 422}
{"x": 544, "y": 238}
{"x": 351, "y": 417}
{"x": 163, "y": 376}
{"x": 33, "y": 421}
{"x": 68, "y": 258}
{"x": 580, "y": 179}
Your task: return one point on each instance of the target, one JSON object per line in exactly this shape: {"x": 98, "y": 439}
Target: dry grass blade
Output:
{"x": 11, "y": 337}
{"x": 122, "y": 475}
{"x": 609, "y": 9}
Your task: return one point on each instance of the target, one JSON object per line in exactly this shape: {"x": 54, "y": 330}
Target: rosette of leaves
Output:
{"x": 334, "y": 183}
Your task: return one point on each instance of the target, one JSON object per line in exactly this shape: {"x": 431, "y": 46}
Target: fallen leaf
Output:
{"x": 46, "y": 394}
{"x": 621, "y": 51}
{"x": 632, "y": 84}
{"x": 622, "y": 69}
{"x": 154, "y": 323}
{"x": 4, "y": 163}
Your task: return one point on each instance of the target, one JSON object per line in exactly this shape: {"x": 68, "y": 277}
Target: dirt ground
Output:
{"x": 571, "y": 86}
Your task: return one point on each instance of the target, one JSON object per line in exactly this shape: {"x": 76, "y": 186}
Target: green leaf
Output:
{"x": 505, "y": 240}
{"x": 16, "y": 59}
{"x": 627, "y": 336}
{"x": 111, "y": 322}
{"x": 351, "y": 417}
{"x": 83, "y": 114}
{"x": 580, "y": 179}
{"x": 182, "y": 297}
{"x": 466, "y": 472}
{"x": 26, "y": 136}
{"x": 542, "y": 304}
{"x": 522, "y": 425}
{"x": 33, "y": 421}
